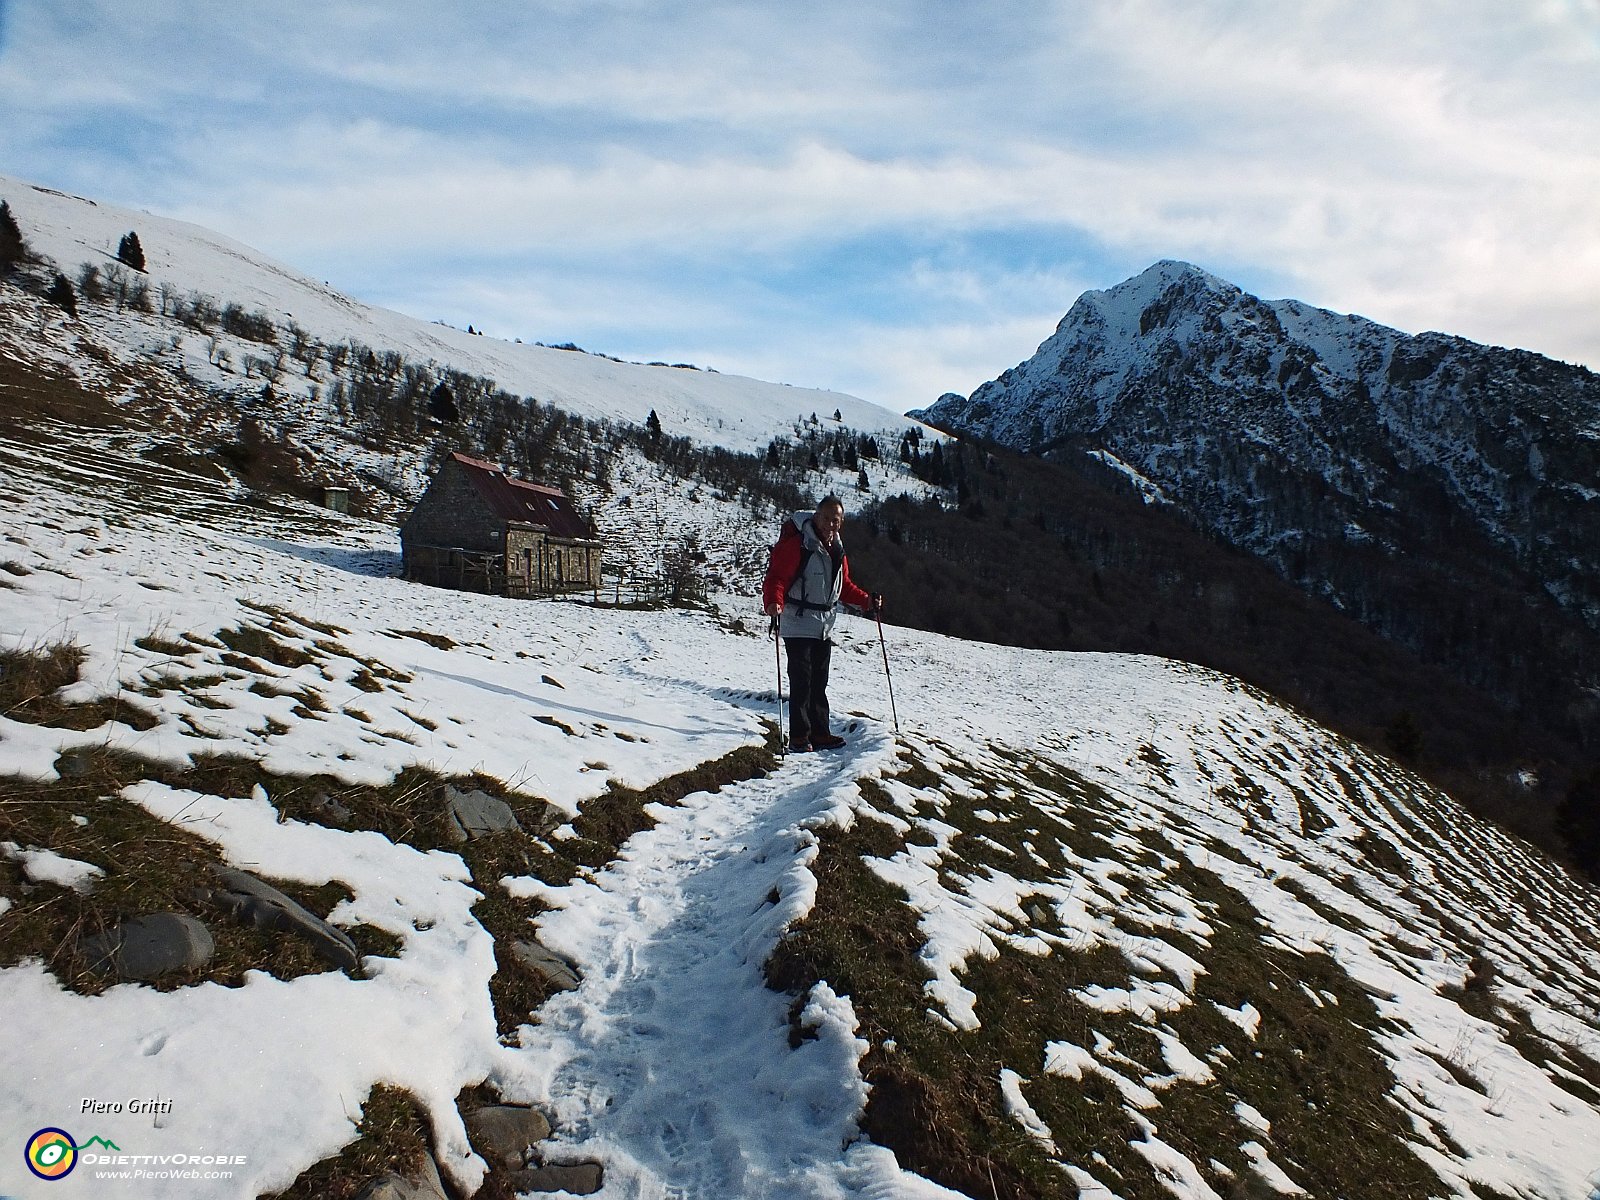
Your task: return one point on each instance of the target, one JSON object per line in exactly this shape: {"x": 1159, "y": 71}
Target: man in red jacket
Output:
{"x": 808, "y": 580}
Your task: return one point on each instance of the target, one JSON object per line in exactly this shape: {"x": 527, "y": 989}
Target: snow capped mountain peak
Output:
{"x": 1121, "y": 305}
{"x": 1315, "y": 439}
{"x": 1165, "y": 274}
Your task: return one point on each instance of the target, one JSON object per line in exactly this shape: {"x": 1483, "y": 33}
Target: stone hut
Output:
{"x": 479, "y": 529}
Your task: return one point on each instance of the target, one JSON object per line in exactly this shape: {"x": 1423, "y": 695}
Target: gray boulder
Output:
{"x": 424, "y": 1184}
{"x": 330, "y": 811}
{"x": 264, "y": 906}
{"x": 147, "y": 947}
{"x": 505, "y": 1133}
{"x": 581, "y": 1179}
{"x": 475, "y": 814}
{"x": 75, "y": 762}
{"x": 549, "y": 819}
{"x": 556, "y": 971}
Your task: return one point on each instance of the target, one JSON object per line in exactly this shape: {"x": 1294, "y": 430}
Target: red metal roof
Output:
{"x": 513, "y": 499}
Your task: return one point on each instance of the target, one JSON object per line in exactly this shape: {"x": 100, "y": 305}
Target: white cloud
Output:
{"x": 1428, "y": 164}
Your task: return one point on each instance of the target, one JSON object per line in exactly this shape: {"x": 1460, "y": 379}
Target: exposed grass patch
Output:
{"x": 271, "y": 690}
{"x": 282, "y": 617}
{"x": 254, "y": 642}
{"x": 392, "y": 1136}
{"x": 1312, "y": 1068}
{"x": 915, "y": 773}
{"x": 30, "y": 681}
{"x": 437, "y": 640}
{"x": 1312, "y": 819}
{"x": 1380, "y": 853}
{"x": 149, "y": 865}
{"x": 155, "y": 643}
{"x": 27, "y": 677}
{"x": 309, "y": 704}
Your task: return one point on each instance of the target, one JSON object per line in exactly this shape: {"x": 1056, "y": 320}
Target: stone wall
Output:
{"x": 452, "y": 513}
{"x": 537, "y": 564}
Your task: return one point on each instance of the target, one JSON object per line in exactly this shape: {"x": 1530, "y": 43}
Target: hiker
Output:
{"x": 808, "y": 578}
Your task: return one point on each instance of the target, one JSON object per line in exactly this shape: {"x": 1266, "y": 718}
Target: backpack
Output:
{"x": 791, "y": 533}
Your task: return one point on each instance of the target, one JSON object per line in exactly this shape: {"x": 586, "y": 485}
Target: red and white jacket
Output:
{"x": 801, "y": 574}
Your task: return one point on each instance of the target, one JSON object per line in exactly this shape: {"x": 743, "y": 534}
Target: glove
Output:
{"x": 876, "y": 609}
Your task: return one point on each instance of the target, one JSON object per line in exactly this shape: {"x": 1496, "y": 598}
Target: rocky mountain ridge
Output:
{"x": 1382, "y": 470}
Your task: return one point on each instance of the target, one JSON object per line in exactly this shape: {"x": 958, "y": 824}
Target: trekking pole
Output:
{"x": 884, "y": 646}
{"x": 777, "y": 658}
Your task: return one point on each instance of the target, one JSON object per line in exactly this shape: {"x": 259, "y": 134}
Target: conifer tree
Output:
{"x": 12, "y": 248}
{"x": 62, "y": 295}
{"x": 1578, "y": 822}
{"x": 442, "y": 405}
{"x": 130, "y": 252}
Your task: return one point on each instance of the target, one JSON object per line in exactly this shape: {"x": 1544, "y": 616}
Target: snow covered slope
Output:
{"x": 1098, "y": 925}
{"x": 184, "y": 259}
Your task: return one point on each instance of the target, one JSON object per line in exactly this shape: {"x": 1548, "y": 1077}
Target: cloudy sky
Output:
{"x": 895, "y": 198}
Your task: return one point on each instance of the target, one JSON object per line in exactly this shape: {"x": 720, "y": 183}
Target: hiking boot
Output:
{"x": 826, "y": 741}
{"x": 800, "y": 748}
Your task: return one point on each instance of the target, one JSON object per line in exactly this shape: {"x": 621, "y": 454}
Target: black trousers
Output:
{"x": 808, "y": 688}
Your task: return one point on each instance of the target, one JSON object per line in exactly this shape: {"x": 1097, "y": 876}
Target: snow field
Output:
{"x": 1068, "y": 805}
{"x": 556, "y": 699}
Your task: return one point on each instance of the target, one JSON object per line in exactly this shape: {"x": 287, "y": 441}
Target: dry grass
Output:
{"x": 437, "y": 640}
{"x": 30, "y": 681}
{"x": 1312, "y": 1069}
{"x": 31, "y": 394}
{"x": 392, "y": 1136}
{"x": 149, "y": 865}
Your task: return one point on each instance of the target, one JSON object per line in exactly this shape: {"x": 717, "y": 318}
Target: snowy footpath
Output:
{"x": 671, "y": 1064}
